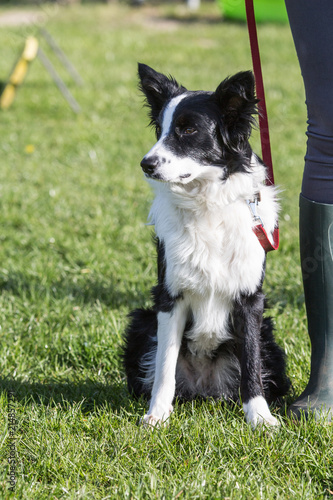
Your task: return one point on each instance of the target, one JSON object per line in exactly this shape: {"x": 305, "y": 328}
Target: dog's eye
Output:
{"x": 158, "y": 131}
{"x": 188, "y": 130}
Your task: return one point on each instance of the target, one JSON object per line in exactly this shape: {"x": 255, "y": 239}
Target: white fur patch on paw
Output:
{"x": 151, "y": 421}
{"x": 257, "y": 413}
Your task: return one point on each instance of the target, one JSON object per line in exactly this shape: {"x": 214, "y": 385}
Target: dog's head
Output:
{"x": 200, "y": 135}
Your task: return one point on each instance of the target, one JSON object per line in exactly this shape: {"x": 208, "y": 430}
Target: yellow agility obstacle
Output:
{"x": 32, "y": 50}
{"x": 19, "y": 72}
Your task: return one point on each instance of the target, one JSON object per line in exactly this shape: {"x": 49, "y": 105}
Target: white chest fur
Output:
{"x": 212, "y": 254}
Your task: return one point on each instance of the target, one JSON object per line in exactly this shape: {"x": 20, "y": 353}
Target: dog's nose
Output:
{"x": 149, "y": 164}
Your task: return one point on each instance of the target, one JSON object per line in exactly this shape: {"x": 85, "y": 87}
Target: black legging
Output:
{"x": 311, "y": 23}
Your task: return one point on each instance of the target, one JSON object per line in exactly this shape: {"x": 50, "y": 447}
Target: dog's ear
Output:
{"x": 157, "y": 88}
{"x": 236, "y": 99}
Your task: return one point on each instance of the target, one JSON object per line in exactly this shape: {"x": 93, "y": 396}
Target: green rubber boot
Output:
{"x": 316, "y": 248}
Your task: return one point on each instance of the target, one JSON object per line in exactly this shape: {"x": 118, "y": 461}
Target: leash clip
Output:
{"x": 259, "y": 229}
{"x": 253, "y": 207}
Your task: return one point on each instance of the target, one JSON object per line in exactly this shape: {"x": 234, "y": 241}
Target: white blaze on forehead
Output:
{"x": 169, "y": 112}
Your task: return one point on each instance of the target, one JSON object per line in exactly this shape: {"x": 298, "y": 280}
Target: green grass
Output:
{"x": 76, "y": 257}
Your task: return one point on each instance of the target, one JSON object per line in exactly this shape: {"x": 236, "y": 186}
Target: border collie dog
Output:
{"x": 205, "y": 335}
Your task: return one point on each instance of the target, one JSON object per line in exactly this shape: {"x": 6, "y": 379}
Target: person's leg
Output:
{"x": 311, "y": 24}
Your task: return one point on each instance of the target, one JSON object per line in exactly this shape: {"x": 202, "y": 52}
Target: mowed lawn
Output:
{"x": 76, "y": 257}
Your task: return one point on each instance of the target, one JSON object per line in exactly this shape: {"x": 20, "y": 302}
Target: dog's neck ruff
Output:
{"x": 214, "y": 190}
{"x": 211, "y": 195}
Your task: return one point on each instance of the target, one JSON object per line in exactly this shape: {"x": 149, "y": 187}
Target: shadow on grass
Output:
{"x": 89, "y": 394}
{"x": 114, "y": 397}
{"x": 88, "y": 289}
{"x": 192, "y": 18}
{"x": 116, "y": 293}
{"x": 199, "y": 18}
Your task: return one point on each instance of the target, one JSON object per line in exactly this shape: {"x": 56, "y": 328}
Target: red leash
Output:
{"x": 263, "y": 123}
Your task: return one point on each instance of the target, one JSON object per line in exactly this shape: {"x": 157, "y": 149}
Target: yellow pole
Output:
{"x": 19, "y": 72}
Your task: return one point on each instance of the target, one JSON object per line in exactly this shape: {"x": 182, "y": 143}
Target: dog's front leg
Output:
{"x": 254, "y": 403}
{"x": 169, "y": 336}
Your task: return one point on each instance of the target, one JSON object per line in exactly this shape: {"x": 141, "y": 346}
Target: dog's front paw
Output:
{"x": 151, "y": 421}
{"x": 257, "y": 413}
{"x": 260, "y": 421}
{"x": 155, "y": 418}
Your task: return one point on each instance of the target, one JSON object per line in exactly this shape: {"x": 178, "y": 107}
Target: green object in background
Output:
{"x": 265, "y": 10}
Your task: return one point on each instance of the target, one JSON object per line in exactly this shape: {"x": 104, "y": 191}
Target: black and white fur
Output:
{"x": 205, "y": 334}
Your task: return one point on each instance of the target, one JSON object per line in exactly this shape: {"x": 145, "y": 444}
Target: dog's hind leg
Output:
{"x": 140, "y": 346}
{"x": 169, "y": 336}
{"x": 248, "y": 319}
